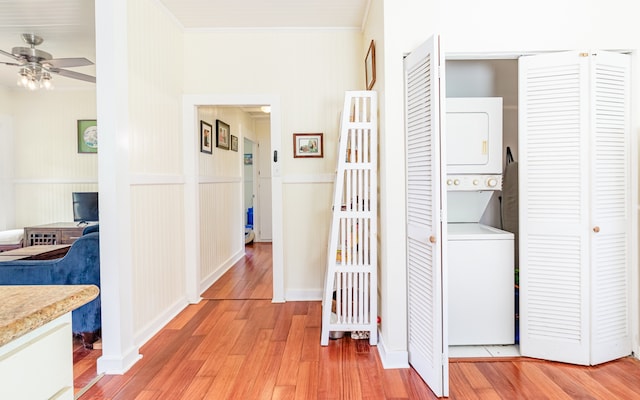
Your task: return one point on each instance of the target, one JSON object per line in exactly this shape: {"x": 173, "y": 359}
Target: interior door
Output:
{"x": 426, "y": 231}
{"x": 610, "y": 228}
{"x": 574, "y": 207}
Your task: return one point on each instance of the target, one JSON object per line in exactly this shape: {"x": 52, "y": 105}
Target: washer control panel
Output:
{"x": 473, "y": 182}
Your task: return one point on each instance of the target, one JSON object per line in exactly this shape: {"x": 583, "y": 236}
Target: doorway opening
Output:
{"x": 269, "y": 168}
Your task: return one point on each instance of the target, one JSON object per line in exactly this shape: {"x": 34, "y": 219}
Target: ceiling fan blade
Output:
{"x": 10, "y": 63}
{"x": 67, "y": 62}
{"x": 10, "y": 55}
{"x": 73, "y": 74}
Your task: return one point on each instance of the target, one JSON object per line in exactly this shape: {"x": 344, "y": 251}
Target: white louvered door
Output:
{"x": 574, "y": 207}
{"x": 426, "y": 232}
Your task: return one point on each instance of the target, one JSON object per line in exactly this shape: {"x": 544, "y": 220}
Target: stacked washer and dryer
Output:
{"x": 480, "y": 256}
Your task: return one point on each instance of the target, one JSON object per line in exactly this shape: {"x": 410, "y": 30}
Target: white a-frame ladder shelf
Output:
{"x": 350, "y": 290}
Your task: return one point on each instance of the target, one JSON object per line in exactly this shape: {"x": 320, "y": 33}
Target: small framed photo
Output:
{"x": 370, "y": 66}
{"x": 87, "y": 136}
{"x": 234, "y": 143}
{"x": 206, "y": 137}
{"x": 307, "y": 145}
{"x": 248, "y": 159}
{"x": 222, "y": 135}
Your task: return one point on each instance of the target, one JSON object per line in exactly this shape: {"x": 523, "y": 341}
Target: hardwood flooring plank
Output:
{"x": 331, "y": 371}
{"x": 292, "y": 351}
{"x": 198, "y": 388}
{"x": 148, "y": 395}
{"x": 547, "y": 387}
{"x": 185, "y": 316}
{"x": 283, "y": 322}
{"x": 369, "y": 365}
{"x": 392, "y": 384}
{"x": 416, "y": 387}
{"x": 284, "y": 393}
{"x": 224, "y": 380}
{"x": 252, "y": 365}
{"x": 351, "y": 386}
{"x": 220, "y": 347}
{"x": 310, "y": 341}
{"x": 307, "y": 381}
{"x": 219, "y": 335}
{"x": 265, "y": 381}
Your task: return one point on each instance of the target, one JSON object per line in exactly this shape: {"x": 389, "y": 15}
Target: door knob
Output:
{"x": 596, "y": 229}
{"x": 432, "y": 239}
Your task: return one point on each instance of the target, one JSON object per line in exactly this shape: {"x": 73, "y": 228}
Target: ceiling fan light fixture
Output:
{"x": 23, "y": 77}
{"x": 34, "y": 78}
{"x": 33, "y": 85}
{"x": 45, "y": 81}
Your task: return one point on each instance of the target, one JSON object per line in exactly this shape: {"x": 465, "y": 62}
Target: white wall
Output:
{"x": 310, "y": 71}
{"x": 7, "y": 212}
{"x": 141, "y": 177}
{"x": 47, "y": 167}
{"x": 495, "y": 26}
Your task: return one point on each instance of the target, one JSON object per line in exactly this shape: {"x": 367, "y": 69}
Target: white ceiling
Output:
{"x": 67, "y": 26}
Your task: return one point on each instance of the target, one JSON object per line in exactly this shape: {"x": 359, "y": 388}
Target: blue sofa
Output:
{"x": 80, "y": 266}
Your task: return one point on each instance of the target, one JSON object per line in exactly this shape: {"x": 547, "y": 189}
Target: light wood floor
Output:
{"x": 236, "y": 344}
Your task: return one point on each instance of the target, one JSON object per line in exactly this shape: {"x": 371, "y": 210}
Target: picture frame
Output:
{"x": 248, "y": 159}
{"x": 234, "y": 143}
{"x": 308, "y": 145}
{"x": 370, "y": 66}
{"x": 87, "y": 136}
{"x": 206, "y": 137}
{"x": 222, "y": 135}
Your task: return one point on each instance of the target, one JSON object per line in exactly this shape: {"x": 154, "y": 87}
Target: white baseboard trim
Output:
{"x": 145, "y": 334}
{"x": 303, "y": 295}
{"x": 215, "y": 275}
{"x": 118, "y": 365}
{"x": 391, "y": 359}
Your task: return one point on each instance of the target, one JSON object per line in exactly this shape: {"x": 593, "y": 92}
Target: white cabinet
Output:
{"x": 575, "y": 215}
{"x": 39, "y": 364}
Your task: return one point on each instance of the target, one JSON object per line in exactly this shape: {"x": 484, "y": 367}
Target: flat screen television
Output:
{"x": 85, "y": 206}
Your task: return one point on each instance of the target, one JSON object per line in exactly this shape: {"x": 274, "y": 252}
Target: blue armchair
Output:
{"x": 80, "y": 266}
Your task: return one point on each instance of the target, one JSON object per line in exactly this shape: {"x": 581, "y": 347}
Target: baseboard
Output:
{"x": 215, "y": 275}
{"x": 303, "y": 295}
{"x": 118, "y": 365}
{"x": 145, "y": 334}
{"x": 391, "y": 359}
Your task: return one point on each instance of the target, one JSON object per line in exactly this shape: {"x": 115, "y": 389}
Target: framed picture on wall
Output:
{"x": 206, "y": 137}
{"x": 87, "y": 136}
{"x": 370, "y": 66}
{"x": 307, "y": 145}
{"x": 234, "y": 143}
{"x": 222, "y": 135}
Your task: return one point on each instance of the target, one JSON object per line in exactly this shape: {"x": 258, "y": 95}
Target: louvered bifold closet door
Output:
{"x": 426, "y": 327}
{"x": 564, "y": 276}
{"x": 610, "y": 215}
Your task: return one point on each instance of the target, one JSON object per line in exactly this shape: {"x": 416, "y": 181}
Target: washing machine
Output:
{"x": 481, "y": 285}
{"x": 480, "y": 257}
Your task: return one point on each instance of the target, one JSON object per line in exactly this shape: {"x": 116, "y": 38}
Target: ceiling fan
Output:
{"x": 36, "y": 66}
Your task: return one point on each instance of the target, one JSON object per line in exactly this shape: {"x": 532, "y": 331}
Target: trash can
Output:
{"x": 250, "y": 217}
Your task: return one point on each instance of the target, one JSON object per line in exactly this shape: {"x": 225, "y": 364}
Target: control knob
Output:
{"x": 492, "y": 182}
